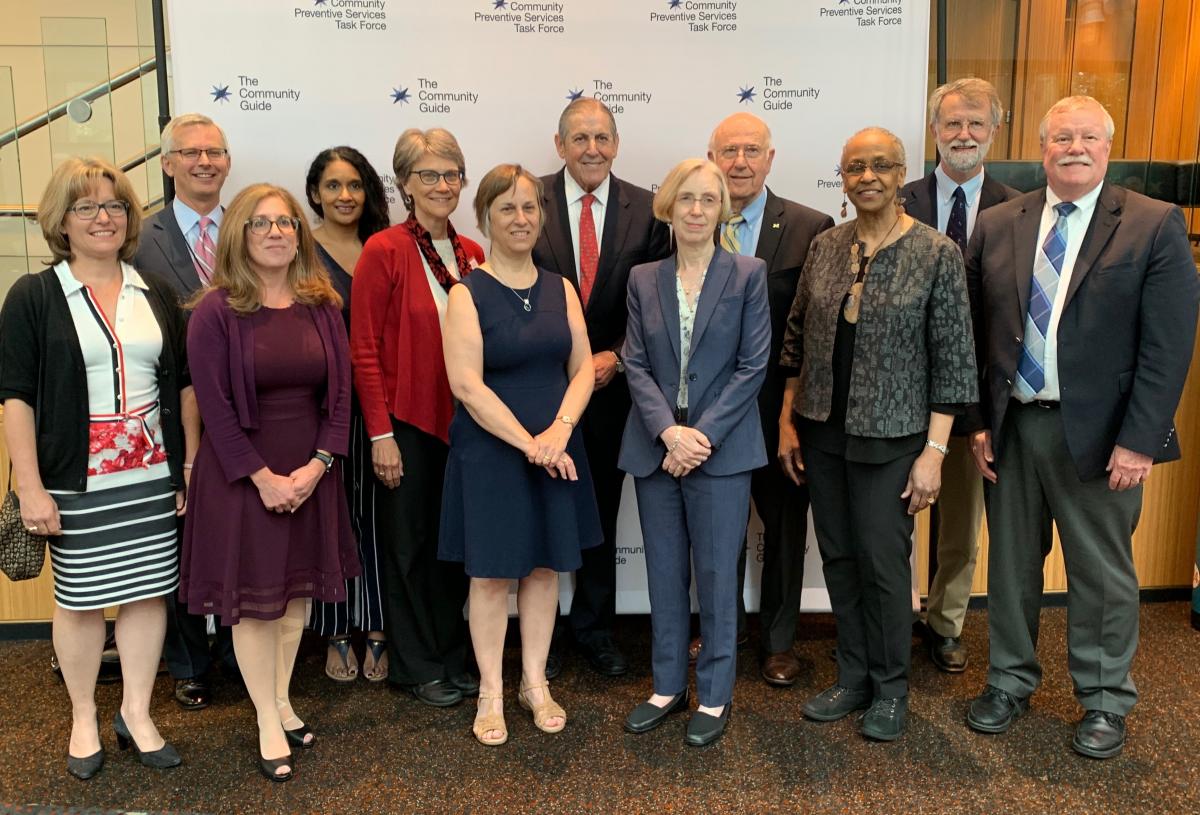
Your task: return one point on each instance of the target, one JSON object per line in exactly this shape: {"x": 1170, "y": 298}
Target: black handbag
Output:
{"x": 22, "y": 553}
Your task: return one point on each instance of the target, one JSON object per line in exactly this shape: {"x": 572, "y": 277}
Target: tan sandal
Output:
{"x": 490, "y": 721}
{"x": 548, "y": 709}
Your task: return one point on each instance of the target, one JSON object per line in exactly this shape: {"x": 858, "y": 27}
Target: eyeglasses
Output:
{"x": 750, "y": 151}
{"x": 453, "y": 178}
{"x": 193, "y": 153}
{"x": 688, "y": 200}
{"x": 88, "y": 210}
{"x": 976, "y": 127}
{"x": 879, "y": 166}
{"x": 261, "y": 224}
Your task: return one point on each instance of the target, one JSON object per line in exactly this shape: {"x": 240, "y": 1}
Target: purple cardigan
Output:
{"x": 221, "y": 357}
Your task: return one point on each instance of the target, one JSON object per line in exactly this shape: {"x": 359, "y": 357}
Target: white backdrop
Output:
{"x": 288, "y": 78}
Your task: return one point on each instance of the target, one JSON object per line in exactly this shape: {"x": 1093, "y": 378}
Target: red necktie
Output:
{"x": 589, "y": 252}
{"x": 205, "y": 256}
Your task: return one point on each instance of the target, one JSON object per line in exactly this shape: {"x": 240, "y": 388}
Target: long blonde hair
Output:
{"x": 306, "y": 275}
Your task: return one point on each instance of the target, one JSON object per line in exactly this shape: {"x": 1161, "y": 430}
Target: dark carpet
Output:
{"x": 381, "y": 751}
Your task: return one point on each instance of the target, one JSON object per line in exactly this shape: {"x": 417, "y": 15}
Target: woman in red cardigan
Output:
{"x": 398, "y": 299}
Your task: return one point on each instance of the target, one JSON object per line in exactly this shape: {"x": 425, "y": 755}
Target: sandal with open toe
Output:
{"x": 341, "y": 644}
{"x": 377, "y": 651}
{"x": 547, "y": 709}
{"x": 490, "y": 721}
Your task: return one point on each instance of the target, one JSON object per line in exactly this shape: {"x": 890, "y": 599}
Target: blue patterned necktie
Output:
{"x": 1047, "y": 269}
{"x": 956, "y": 227}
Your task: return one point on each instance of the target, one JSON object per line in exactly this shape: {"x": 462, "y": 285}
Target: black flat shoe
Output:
{"x": 886, "y": 719}
{"x": 604, "y": 656}
{"x": 193, "y": 693}
{"x": 1100, "y": 735}
{"x": 466, "y": 683}
{"x": 85, "y": 768}
{"x": 300, "y": 736}
{"x": 647, "y": 716}
{"x": 994, "y": 710}
{"x": 437, "y": 693}
{"x": 268, "y": 767}
{"x": 163, "y": 758}
{"x": 704, "y": 728}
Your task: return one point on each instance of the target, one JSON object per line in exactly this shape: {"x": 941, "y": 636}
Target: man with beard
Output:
{"x": 964, "y": 117}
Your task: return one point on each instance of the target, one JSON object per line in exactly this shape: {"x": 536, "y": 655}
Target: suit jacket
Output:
{"x": 1127, "y": 327}
{"x": 731, "y": 339}
{"x": 162, "y": 250}
{"x": 787, "y": 230}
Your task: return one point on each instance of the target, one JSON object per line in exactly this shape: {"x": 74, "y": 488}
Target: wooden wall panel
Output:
{"x": 1139, "y": 124}
{"x": 1042, "y": 75}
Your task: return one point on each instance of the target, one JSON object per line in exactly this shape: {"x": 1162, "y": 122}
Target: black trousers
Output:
{"x": 423, "y": 597}
{"x": 783, "y": 508}
{"x": 186, "y": 648}
{"x": 864, "y": 532}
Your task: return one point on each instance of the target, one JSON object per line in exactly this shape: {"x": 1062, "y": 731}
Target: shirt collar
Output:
{"x": 188, "y": 218}
{"x": 946, "y": 186}
{"x": 70, "y": 284}
{"x": 1087, "y": 201}
{"x": 753, "y": 211}
{"x": 574, "y": 192}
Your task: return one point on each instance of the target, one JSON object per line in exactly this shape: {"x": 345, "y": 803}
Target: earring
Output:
{"x": 844, "y": 202}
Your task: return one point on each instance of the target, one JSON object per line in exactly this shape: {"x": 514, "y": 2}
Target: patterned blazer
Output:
{"x": 913, "y": 345}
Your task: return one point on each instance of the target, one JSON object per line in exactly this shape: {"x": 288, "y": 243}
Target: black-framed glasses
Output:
{"x": 453, "y": 178}
{"x": 193, "y": 153}
{"x": 261, "y": 224}
{"x": 879, "y": 166}
{"x": 88, "y": 210}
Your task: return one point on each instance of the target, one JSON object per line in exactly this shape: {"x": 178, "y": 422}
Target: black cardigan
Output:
{"x": 41, "y": 363}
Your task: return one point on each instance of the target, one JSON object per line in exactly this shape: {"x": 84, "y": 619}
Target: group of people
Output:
{"x": 344, "y": 437}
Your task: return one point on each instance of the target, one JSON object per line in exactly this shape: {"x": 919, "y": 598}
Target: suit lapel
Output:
{"x": 616, "y": 230}
{"x": 770, "y": 232}
{"x": 991, "y": 193}
{"x": 669, "y": 303}
{"x": 720, "y": 269}
{"x": 558, "y": 228}
{"x": 174, "y": 247}
{"x": 1105, "y": 220}
{"x": 1025, "y": 233}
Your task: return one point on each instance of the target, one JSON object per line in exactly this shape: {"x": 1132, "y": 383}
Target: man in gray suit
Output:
{"x": 964, "y": 117}
{"x": 178, "y": 244}
{"x": 1084, "y": 297}
{"x": 778, "y": 231}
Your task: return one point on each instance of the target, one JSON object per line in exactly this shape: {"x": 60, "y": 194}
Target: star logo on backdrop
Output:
{"x": 220, "y": 93}
{"x": 320, "y": 2}
{"x": 573, "y": 95}
{"x": 400, "y": 95}
{"x": 837, "y": 170}
{"x": 499, "y": 4}
{"x": 674, "y": 3}
{"x": 746, "y": 94}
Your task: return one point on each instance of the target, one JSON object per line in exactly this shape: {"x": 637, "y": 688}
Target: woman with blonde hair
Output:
{"x": 94, "y": 379}
{"x": 271, "y": 526}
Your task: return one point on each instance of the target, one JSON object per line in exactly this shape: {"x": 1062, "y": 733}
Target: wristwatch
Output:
{"x": 567, "y": 420}
{"x": 324, "y": 458}
{"x": 620, "y": 363}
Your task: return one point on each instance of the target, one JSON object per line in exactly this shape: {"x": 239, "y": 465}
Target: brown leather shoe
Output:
{"x": 781, "y": 670}
{"x": 695, "y": 645}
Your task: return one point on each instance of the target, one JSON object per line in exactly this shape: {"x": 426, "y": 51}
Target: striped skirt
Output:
{"x": 118, "y": 545}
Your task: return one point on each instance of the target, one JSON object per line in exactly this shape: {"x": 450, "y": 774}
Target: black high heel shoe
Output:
{"x": 86, "y": 767}
{"x": 298, "y": 736}
{"x": 160, "y": 759}
{"x": 269, "y": 766}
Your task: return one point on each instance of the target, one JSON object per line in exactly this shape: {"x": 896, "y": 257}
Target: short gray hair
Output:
{"x": 414, "y": 144}
{"x": 1068, "y": 103}
{"x": 577, "y": 106}
{"x": 971, "y": 88}
{"x": 185, "y": 120}
{"x": 882, "y": 131}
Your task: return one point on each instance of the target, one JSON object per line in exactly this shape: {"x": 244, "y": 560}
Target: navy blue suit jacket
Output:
{"x": 731, "y": 341}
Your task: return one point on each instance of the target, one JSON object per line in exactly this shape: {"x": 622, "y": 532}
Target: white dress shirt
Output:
{"x": 972, "y": 189}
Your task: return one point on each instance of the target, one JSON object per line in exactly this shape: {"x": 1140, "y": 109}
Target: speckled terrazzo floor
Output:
{"x": 380, "y": 751}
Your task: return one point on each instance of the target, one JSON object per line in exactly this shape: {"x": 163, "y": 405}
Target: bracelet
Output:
{"x": 941, "y": 448}
{"x": 187, "y": 465}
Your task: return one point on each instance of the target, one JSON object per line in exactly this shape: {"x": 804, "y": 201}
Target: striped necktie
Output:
{"x": 204, "y": 253}
{"x": 1047, "y": 271}
{"x": 729, "y": 235}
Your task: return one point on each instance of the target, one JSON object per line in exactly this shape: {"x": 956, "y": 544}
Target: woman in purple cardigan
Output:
{"x": 268, "y": 525}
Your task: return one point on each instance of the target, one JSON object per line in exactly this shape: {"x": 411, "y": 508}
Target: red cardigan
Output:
{"x": 396, "y": 337}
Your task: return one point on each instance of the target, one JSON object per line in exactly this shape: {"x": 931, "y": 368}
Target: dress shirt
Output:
{"x": 189, "y": 222}
{"x": 750, "y": 228}
{"x": 1077, "y": 224}
{"x": 574, "y": 194}
{"x": 972, "y": 188}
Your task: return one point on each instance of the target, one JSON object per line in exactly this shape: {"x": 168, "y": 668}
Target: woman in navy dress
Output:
{"x": 518, "y": 500}
{"x": 344, "y": 190}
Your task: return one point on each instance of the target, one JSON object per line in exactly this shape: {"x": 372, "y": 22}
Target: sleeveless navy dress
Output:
{"x": 502, "y": 517}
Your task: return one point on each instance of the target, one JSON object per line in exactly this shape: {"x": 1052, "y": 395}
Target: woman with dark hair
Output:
{"x": 345, "y": 191}
{"x": 271, "y": 527}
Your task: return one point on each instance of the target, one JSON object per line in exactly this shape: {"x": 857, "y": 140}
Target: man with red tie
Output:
{"x": 596, "y": 228}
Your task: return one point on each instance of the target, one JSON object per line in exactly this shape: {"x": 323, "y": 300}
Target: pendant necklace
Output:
{"x": 524, "y": 298}
{"x": 854, "y": 300}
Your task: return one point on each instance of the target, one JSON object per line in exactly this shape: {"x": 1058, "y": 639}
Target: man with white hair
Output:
{"x": 1084, "y": 297}
{"x": 964, "y": 117}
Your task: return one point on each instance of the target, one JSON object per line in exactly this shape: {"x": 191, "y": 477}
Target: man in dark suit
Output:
{"x": 778, "y": 231}
{"x": 1084, "y": 297}
{"x": 964, "y": 117}
{"x": 597, "y": 227}
{"x": 178, "y": 243}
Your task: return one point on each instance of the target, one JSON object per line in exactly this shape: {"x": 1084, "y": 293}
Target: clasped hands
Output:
{"x": 548, "y": 450}
{"x": 687, "y": 449}
{"x": 285, "y": 493}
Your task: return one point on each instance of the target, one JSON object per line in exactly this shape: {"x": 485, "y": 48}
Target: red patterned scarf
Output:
{"x": 430, "y": 253}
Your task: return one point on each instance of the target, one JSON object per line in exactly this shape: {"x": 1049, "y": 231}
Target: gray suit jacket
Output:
{"x": 1127, "y": 327}
{"x": 162, "y": 250}
{"x": 730, "y": 342}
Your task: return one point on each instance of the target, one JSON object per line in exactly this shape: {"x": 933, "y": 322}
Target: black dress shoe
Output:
{"x": 553, "y": 663}
{"x": 86, "y": 767}
{"x": 604, "y": 656}
{"x": 299, "y": 737}
{"x": 163, "y": 758}
{"x": 1100, "y": 734}
{"x": 647, "y": 716}
{"x": 947, "y": 653}
{"x": 886, "y": 719}
{"x": 704, "y": 728}
{"x": 269, "y": 767}
{"x": 835, "y": 703}
{"x": 466, "y": 682}
{"x": 994, "y": 710}
{"x": 193, "y": 693}
{"x": 438, "y": 693}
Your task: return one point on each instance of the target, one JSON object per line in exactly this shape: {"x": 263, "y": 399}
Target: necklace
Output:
{"x": 524, "y": 298}
{"x": 854, "y": 299}
{"x": 689, "y": 291}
